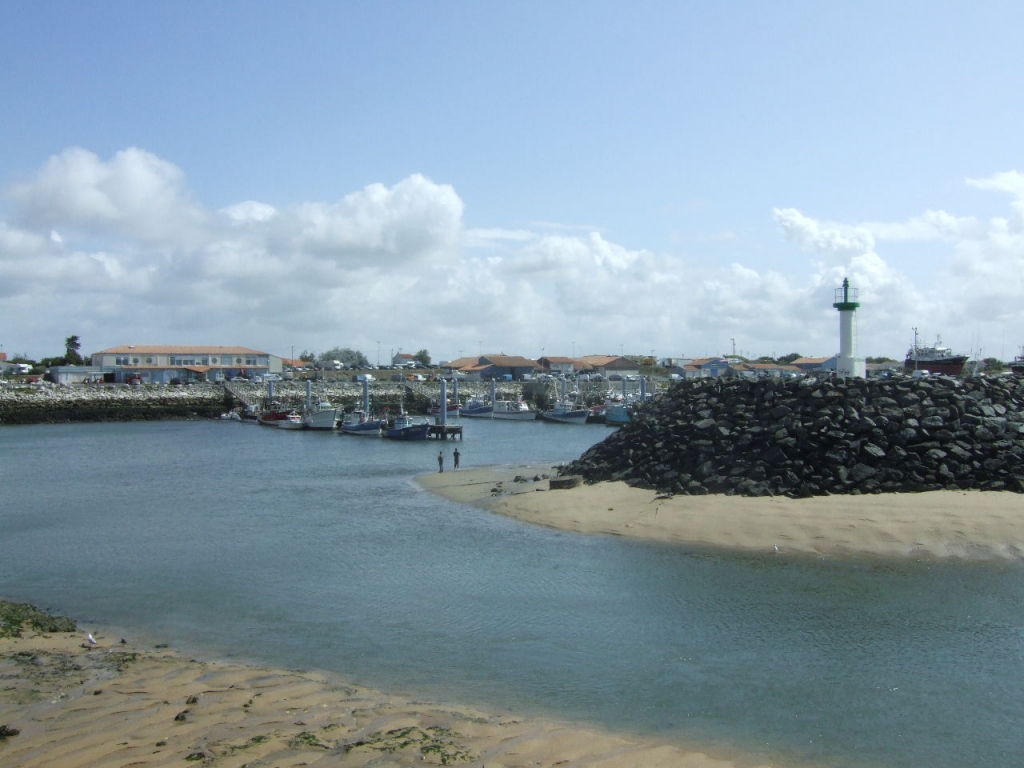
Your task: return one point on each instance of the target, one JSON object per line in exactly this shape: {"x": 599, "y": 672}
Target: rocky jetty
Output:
{"x": 48, "y": 403}
{"x": 810, "y": 437}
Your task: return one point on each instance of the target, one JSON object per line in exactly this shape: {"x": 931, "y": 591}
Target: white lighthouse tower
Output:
{"x": 848, "y": 364}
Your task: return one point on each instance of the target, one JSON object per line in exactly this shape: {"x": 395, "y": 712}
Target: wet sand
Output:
{"x": 936, "y": 524}
{"x": 76, "y": 705}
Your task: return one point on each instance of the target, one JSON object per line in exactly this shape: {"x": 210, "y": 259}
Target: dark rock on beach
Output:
{"x": 810, "y": 437}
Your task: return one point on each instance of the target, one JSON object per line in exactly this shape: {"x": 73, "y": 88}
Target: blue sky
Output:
{"x": 557, "y": 178}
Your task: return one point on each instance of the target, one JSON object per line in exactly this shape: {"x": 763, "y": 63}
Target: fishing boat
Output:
{"x": 1017, "y": 366}
{"x": 617, "y": 414}
{"x": 566, "y": 412}
{"x": 292, "y": 421}
{"x": 512, "y": 410}
{"x": 322, "y": 415}
{"x": 452, "y": 409}
{"x": 933, "y": 359}
{"x": 476, "y": 409}
{"x": 360, "y": 423}
{"x": 250, "y": 415}
{"x": 272, "y": 416}
{"x": 406, "y": 427}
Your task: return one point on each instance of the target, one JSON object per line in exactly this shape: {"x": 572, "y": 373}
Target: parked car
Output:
{"x": 272, "y": 377}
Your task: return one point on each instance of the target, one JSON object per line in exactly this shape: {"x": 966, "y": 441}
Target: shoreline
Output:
{"x": 112, "y": 704}
{"x": 968, "y": 525}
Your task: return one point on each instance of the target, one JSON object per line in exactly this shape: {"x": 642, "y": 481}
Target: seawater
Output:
{"x": 317, "y": 551}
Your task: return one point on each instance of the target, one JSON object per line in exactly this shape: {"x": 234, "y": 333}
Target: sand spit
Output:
{"x": 972, "y": 525}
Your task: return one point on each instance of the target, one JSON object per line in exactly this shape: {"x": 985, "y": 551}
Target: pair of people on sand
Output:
{"x": 440, "y": 460}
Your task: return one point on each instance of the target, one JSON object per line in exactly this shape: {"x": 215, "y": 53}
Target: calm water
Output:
{"x": 316, "y": 550}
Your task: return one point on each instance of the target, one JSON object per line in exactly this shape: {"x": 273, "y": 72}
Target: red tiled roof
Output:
{"x": 177, "y": 349}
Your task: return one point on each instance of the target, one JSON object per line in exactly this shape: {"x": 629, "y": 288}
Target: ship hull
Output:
{"x": 950, "y": 366}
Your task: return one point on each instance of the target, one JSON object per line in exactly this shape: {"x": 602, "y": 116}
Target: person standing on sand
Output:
{"x": 440, "y": 461}
{"x": 455, "y": 456}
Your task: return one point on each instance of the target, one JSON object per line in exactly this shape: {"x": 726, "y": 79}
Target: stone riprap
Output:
{"x": 809, "y": 437}
{"x": 49, "y": 404}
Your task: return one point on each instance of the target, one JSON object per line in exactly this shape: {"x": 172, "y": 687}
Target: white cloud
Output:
{"x": 931, "y": 225}
{"x": 833, "y": 240}
{"x": 135, "y": 194}
{"x": 1010, "y": 182}
{"x": 118, "y": 251}
{"x": 249, "y": 212}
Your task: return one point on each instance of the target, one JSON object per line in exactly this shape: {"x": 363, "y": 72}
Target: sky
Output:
{"x": 683, "y": 179}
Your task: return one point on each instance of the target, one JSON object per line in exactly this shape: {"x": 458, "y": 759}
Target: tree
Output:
{"x": 349, "y": 357}
{"x": 787, "y": 359}
{"x": 307, "y": 357}
{"x": 72, "y": 344}
{"x": 423, "y": 356}
{"x": 994, "y": 365}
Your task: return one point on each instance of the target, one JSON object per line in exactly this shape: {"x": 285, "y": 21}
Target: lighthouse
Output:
{"x": 846, "y": 302}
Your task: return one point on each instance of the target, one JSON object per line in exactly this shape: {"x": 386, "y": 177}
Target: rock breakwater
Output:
{"x": 50, "y": 404}
{"x": 810, "y": 437}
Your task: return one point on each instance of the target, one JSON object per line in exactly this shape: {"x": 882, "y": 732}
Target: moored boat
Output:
{"x": 322, "y": 415}
{"x": 406, "y": 427}
{"x": 617, "y": 414}
{"x": 512, "y": 410}
{"x": 452, "y": 409}
{"x": 272, "y": 417}
{"x": 1017, "y": 366}
{"x": 566, "y": 412}
{"x": 292, "y": 421}
{"x": 476, "y": 409}
{"x": 933, "y": 359}
{"x": 360, "y": 423}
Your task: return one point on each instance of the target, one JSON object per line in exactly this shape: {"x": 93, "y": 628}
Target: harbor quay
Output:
{"x": 45, "y": 403}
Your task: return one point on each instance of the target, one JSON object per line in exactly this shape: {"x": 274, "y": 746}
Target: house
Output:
{"x": 609, "y": 364}
{"x": 558, "y": 366}
{"x": 404, "y": 360}
{"x": 817, "y": 364}
{"x": 703, "y": 367}
{"x": 156, "y": 364}
{"x": 489, "y": 367}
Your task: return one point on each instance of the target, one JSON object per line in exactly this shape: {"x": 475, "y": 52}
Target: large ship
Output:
{"x": 933, "y": 359}
{"x": 1017, "y": 366}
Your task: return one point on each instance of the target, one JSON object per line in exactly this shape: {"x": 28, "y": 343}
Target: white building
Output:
{"x": 153, "y": 364}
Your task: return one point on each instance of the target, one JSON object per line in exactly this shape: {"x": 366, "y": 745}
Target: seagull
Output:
{"x": 91, "y": 639}
{"x": 776, "y": 547}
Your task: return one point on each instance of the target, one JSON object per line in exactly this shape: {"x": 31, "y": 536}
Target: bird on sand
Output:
{"x": 91, "y": 639}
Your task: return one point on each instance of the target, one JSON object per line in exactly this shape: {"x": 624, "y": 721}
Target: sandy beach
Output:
{"x": 113, "y": 704}
{"x": 937, "y": 524}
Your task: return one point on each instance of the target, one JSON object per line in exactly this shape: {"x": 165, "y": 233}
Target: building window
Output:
{"x": 135, "y": 361}
{"x": 121, "y": 360}
{"x": 149, "y": 361}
